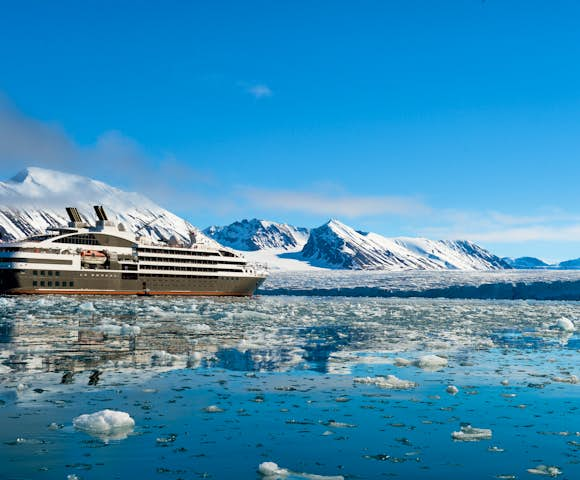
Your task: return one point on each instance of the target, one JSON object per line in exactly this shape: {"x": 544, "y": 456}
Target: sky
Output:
{"x": 445, "y": 119}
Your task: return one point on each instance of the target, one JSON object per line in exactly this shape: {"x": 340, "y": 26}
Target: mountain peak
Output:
{"x": 35, "y": 199}
{"x": 254, "y": 234}
{"x": 337, "y": 245}
{"x": 41, "y": 175}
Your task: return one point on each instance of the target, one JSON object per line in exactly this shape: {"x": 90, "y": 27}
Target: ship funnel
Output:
{"x": 75, "y": 218}
{"x": 73, "y": 215}
{"x": 100, "y": 211}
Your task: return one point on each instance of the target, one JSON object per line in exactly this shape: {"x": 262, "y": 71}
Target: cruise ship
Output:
{"x": 107, "y": 259}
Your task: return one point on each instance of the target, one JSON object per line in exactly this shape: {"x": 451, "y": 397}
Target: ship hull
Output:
{"x": 103, "y": 282}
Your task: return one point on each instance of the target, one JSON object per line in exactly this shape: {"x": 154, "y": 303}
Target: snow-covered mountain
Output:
{"x": 252, "y": 235}
{"x": 526, "y": 263}
{"x": 336, "y": 245}
{"x": 35, "y": 199}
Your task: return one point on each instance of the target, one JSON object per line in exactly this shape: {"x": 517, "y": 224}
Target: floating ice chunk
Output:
{"x": 471, "y": 434}
{"x": 505, "y": 382}
{"x": 72, "y": 476}
{"x": 213, "y": 409}
{"x": 431, "y": 362}
{"x": 571, "y": 379}
{"x": 271, "y": 471}
{"x": 87, "y": 307}
{"x": 495, "y": 448}
{"x": 334, "y": 424}
{"x": 104, "y": 422}
{"x": 565, "y": 325}
{"x": 402, "y": 362}
{"x": 550, "y": 471}
{"x": 452, "y": 389}
{"x": 390, "y": 382}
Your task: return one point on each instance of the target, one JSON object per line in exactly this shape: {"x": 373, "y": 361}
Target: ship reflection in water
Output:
{"x": 292, "y": 380}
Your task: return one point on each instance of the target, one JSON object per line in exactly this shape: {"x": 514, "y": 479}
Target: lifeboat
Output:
{"x": 93, "y": 257}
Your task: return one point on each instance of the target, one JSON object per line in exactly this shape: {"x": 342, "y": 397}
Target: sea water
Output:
{"x": 358, "y": 388}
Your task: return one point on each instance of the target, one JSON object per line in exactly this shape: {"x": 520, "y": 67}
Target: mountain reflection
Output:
{"x": 93, "y": 343}
{"x": 331, "y": 335}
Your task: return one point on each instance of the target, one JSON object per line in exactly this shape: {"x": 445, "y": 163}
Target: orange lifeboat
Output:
{"x": 93, "y": 257}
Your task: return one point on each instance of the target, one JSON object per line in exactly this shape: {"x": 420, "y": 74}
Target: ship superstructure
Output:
{"x": 107, "y": 259}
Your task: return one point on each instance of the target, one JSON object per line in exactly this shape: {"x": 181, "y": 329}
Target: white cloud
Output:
{"x": 260, "y": 91}
{"x": 114, "y": 157}
{"x": 330, "y": 205}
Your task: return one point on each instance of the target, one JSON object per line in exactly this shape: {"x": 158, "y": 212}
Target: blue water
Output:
{"x": 281, "y": 371}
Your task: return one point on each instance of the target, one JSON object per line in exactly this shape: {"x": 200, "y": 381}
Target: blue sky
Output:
{"x": 443, "y": 119}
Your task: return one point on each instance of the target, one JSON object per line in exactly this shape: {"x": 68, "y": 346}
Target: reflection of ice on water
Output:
{"x": 265, "y": 334}
{"x": 383, "y": 381}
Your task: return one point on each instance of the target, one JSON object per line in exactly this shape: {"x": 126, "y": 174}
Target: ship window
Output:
{"x": 43, "y": 272}
{"x": 50, "y": 273}
{"x": 57, "y": 284}
{"x": 78, "y": 239}
{"x": 50, "y": 284}
{"x": 71, "y": 284}
{"x": 42, "y": 283}
{"x": 34, "y": 272}
{"x": 34, "y": 283}
{"x": 57, "y": 274}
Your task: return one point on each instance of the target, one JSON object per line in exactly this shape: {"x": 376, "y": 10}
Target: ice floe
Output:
{"x": 471, "y": 434}
{"x": 570, "y": 379}
{"x": 389, "y": 382}
{"x": 271, "y": 471}
{"x": 565, "y": 324}
{"x": 213, "y": 409}
{"x": 87, "y": 307}
{"x": 550, "y": 471}
{"x": 431, "y": 362}
{"x": 105, "y": 424}
{"x": 452, "y": 390}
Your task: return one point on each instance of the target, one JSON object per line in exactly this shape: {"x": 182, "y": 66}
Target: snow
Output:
{"x": 389, "y": 382}
{"x": 104, "y": 421}
{"x": 35, "y": 199}
{"x": 250, "y": 235}
{"x": 336, "y": 245}
{"x": 471, "y": 434}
